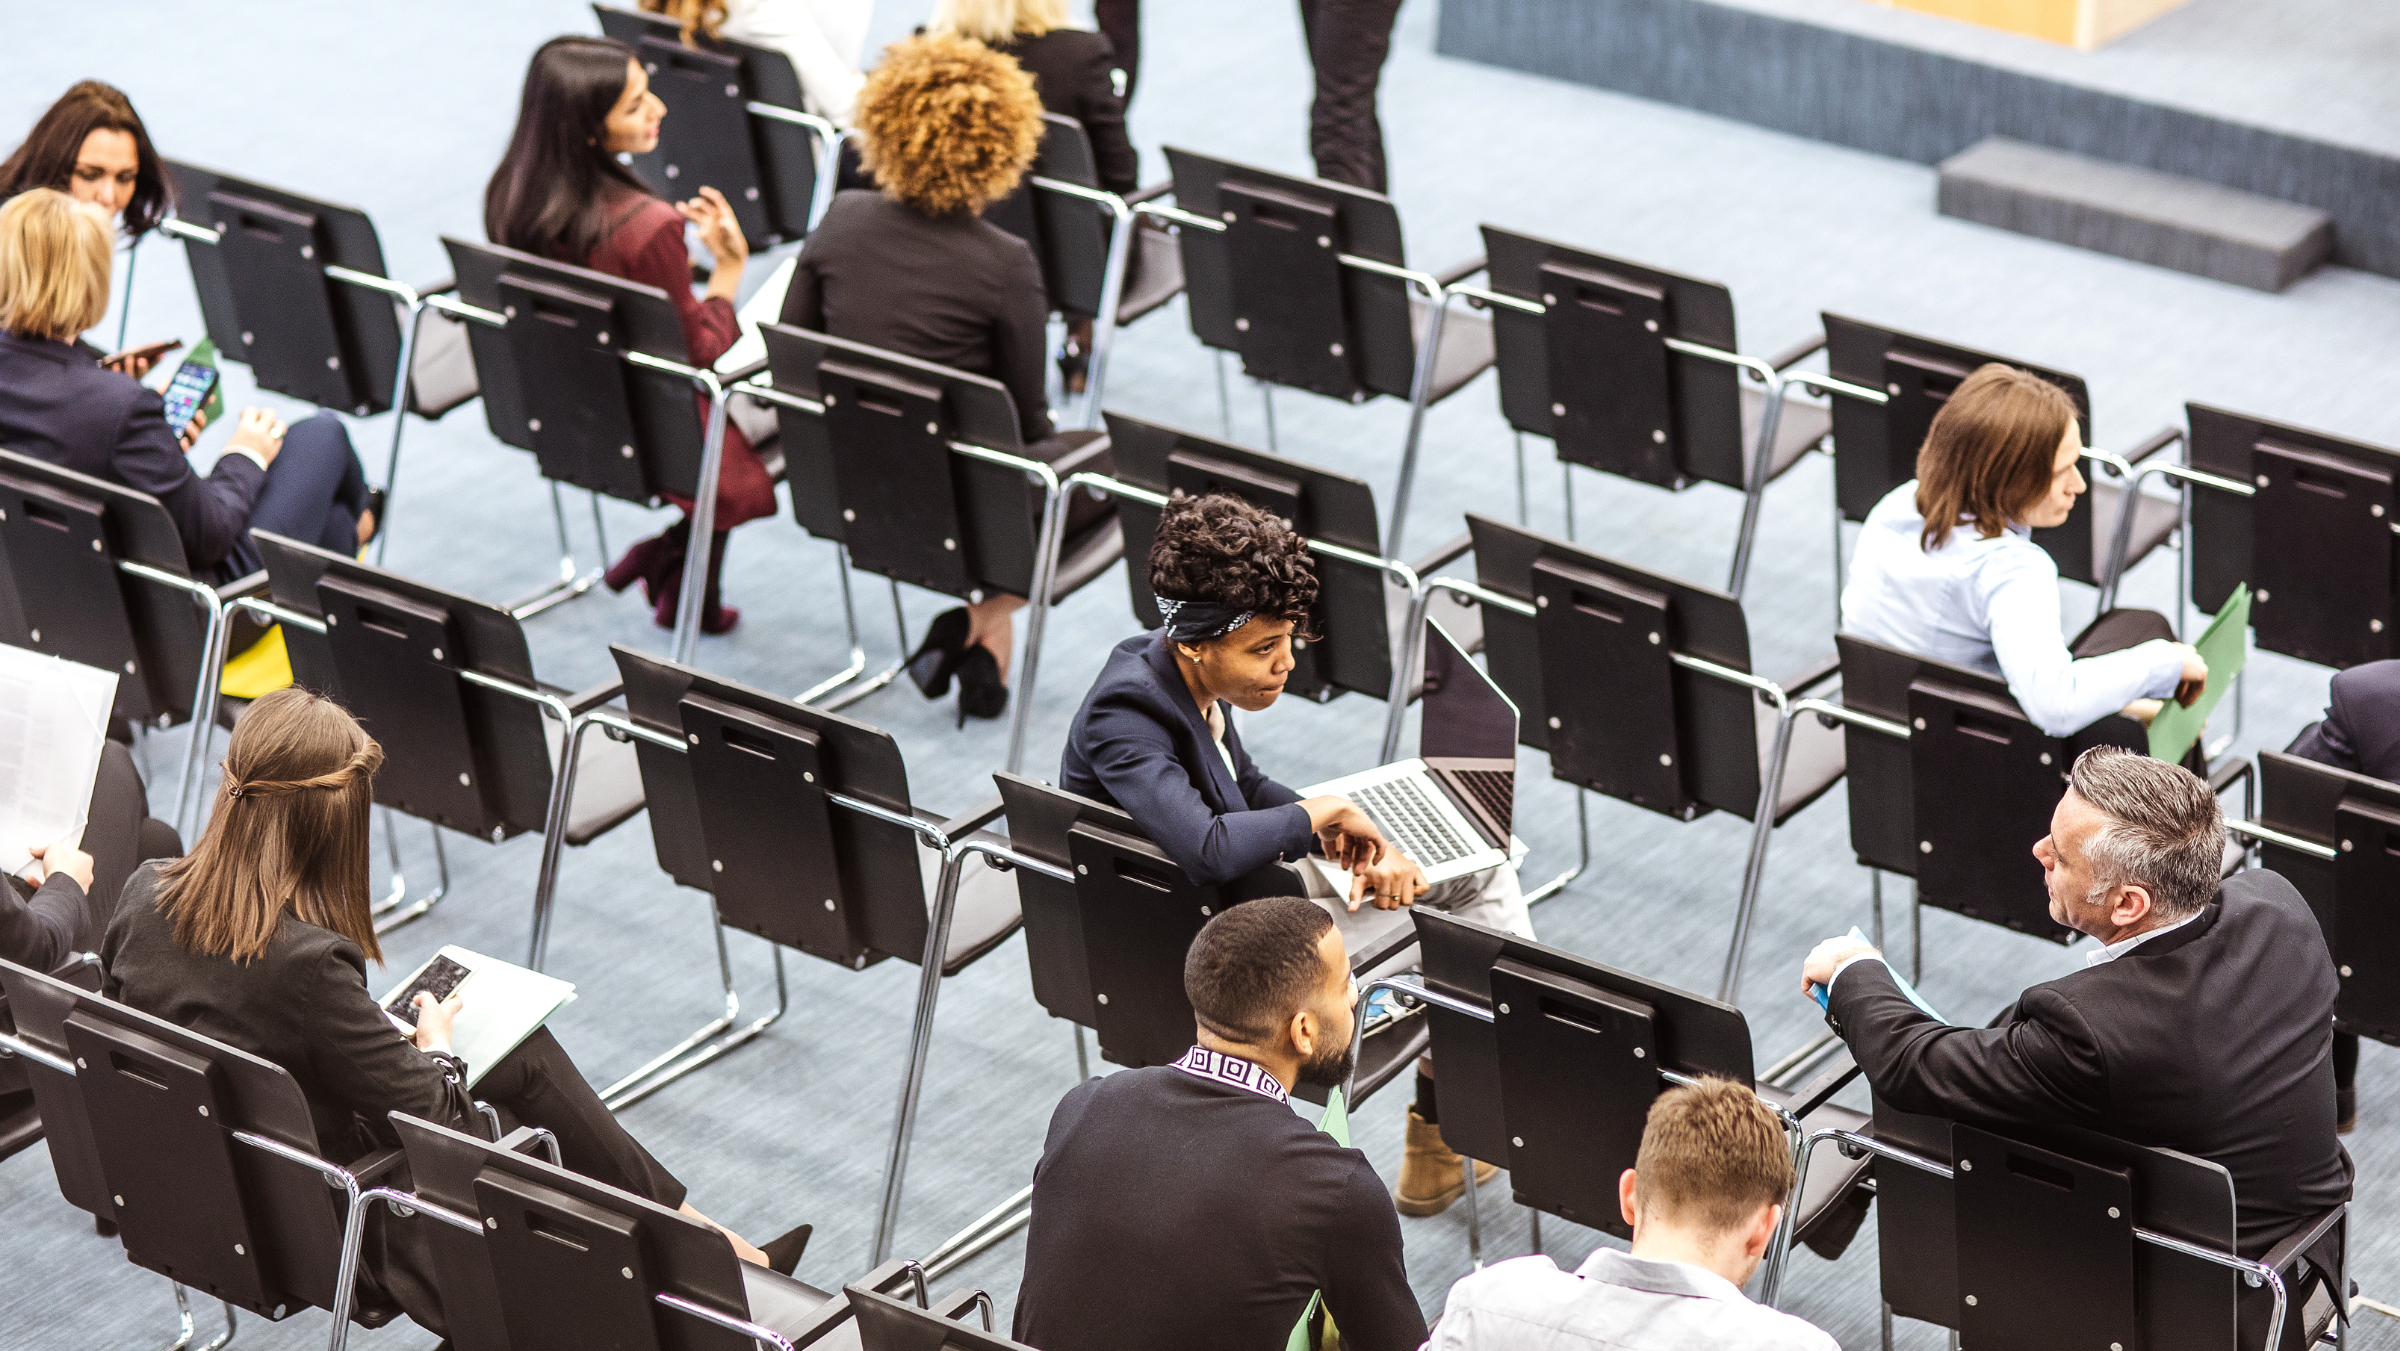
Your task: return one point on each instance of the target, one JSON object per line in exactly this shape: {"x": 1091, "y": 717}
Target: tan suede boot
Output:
{"x": 1430, "y": 1178}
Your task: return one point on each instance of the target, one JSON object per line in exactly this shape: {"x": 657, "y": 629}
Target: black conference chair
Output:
{"x": 1638, "y": 686}
{"x": 867, "y": 432}
{"x": 95, "y": 573}
{"x": 1554, "y": 1061}
{"x": 2026, "y": 1240}
{"x": 1307, "y": 282}
{"x": 1886, "y": 387}
{"x": 203, "y": 1156}
{"x": 736, "y": 122}
{"x": 1634, "y": 371}
{"x": 2307, "y": 520}
{"x": 1099, "y": 259}
{"x": 20, "y": 1116}
{"x": 470, "y": 737}
{"x": 592, "y": 374}
{"x": 798, "y": 825}
{"x": 2335, "y": 836}
{"x": 294, "y": 286}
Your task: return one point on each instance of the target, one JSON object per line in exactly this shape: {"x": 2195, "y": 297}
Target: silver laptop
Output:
{"x": 1451, "y": 810}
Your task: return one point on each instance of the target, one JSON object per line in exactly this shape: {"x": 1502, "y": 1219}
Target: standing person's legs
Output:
{"x": 1347, "y": 43}
{"x": 1121, "y": 20}
{"x": 316, "y": 489}
{"x": 538, "y": 1085}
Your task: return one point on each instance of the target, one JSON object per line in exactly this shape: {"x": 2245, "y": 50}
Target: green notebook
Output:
{"x": 2225, "y": 647}
{"x": 205, "y": 353}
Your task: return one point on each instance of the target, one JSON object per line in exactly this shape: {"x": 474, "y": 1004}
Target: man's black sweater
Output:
{"x": 1172, "y": 1212}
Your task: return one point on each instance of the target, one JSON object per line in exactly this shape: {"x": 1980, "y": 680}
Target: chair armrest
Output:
{"x": 2228, "y": 774}
{"x": 373, "y": 1166}
{"x": 253, "y": 585}
{"x": 1798, "y": 352}
{"x": 584, "y": 701}
{"x": 1150, "y": 194}
{"x": 955, "y": 1305}
{"x": 889, "y": 1279}
{"x": 975, "y": 818}
{"x": 438, "y": 288}
{"x": 2153, "y": 443}
{"x": 1450, "y": 551}
{"x": 741, "y": 373}
{"x": 1080, "y": 458}
{"x": 1829, "y": 1081}
{"x": 1827, "y": 668}
{"x": 80, "y": 969}
{"x": 2300, "y": 1240}
{"x": 1458, "y": 272}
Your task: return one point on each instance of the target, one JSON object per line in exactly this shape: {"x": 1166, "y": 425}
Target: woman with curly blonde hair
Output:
{"x": 947, "y": 127}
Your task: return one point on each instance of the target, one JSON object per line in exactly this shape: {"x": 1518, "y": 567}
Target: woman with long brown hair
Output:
{"x": 260, "y": 938}
{"x": 1946, "y": 565}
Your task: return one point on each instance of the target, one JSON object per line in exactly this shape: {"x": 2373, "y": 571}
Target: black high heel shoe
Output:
{"x": 783, "y": 1254}
{"x": 937, "y": 658}
{"x": 981, "y": 692}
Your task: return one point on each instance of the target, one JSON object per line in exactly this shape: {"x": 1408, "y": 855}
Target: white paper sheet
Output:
{"x": 505, "y": 1003}
{"x": 764, "y": 306}
{"x": 53, "y": 722}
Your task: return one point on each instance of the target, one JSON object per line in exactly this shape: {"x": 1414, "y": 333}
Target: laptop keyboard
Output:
{"x": 1494, "y": 789}
{"x": 1408, "y": 819}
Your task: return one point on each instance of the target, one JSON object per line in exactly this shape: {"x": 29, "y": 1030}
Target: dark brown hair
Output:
{"x": 47, "y": 158}
{"x": 1711, "y": 1155}
{"x": 1222, "y": 550}
{"x": 1254, "y": 966}
{"x": 1988, "y": 456}
{"x": 947, "y": 125}
{"x": 558, "y": 191}
{"x": 288, "y": 831}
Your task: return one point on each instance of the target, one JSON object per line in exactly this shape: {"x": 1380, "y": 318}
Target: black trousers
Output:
{"x": 1347, "y": 43}
{"x": 1121, "y": 20}
{"x": 119, "y": 834}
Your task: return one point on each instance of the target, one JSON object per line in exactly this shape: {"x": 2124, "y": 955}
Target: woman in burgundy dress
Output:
{"x": 562, "y": 193}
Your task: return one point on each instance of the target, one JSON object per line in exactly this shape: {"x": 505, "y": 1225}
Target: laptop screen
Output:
{"x": 1466, "y": 715}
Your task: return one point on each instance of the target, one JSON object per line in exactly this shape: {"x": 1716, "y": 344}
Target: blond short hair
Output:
{"x": 54, "y": 265}
{"x": 997, "y": 20}
{"x": 1711, "y": 1155}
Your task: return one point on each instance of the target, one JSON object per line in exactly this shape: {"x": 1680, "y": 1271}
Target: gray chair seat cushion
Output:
{"x": 1466, "y": 349}
{"x": 1826, "y": 1203}
{"x": 2153, "y": 520}
{"x": 988, "y": 910}
{"x": 1154, "y": 275}
{"x": 608, "y": 784}
{"x": 1814, "y": 763}
{"x": 1087, "y": 556}
{"x": 779, "y": 1302}
{"x": 441, "y": 369}
{"x": 1802, "y": 428}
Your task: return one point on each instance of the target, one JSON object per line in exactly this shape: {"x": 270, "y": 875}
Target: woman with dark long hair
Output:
{"x": 260, "y": 938}
{"x": 92, "y": 146}
{"x": 562, "y": 193}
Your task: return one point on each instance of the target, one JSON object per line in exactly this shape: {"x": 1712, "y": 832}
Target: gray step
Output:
{"x": 2141, "y": 214}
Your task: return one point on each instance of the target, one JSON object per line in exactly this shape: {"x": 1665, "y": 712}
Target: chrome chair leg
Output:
{"x": 570, "y": 583}
{"x": 1534, "y": 1217}
{"x": 1474, "y": 1214}
{"x": 188, "y": 1327}
{"x": 994, "y": 1225}
{"x": 1224, "y": 400}
{"x": 1522, "y": 518}
{"x": 881, "y": 678}
{"x": 1566, "y": 481}
{"x": 1876, "y": 882}
{"x": 1266, "y": 394}
{"x": 1583, "y": 857}
{"x": 599, "y": 528}
{"x": 1083, "y": 1061}
{"x": 395, "y": 909}
{"x": 920, "y": 1049}
{"x": 690, "y": 1054}
{"x": 1916, "y": 935}
{"x": 1887, "y": 1327}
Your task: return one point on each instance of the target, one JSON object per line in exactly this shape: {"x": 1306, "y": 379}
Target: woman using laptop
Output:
{"x": 1152, "y": 738}
{"x": 260, "y": 938}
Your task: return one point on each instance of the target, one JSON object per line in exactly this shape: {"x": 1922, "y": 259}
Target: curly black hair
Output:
{"x": 1223, "y": 550}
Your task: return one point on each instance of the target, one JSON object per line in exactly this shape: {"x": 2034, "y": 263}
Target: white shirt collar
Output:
{"x": 2124, "y": 945}
{"x": 1614, "y": 1266}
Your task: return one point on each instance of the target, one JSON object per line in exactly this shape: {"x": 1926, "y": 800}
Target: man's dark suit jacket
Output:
{"x": 2215, "y": 1039}
{"x": 1138, "y": 743}
{"x": 57, "y": 404}
{"x": 2361, "y": 730}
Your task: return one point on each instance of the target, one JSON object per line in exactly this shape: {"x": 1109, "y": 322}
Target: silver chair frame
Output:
{"x": 829, "y": 140}
{"x": 1779, "y": 1247}
{"x": 1112, "y": 286}
{"x": 213, "y": 600}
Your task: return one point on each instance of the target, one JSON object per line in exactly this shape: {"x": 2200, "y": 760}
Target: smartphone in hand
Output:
{"x": 147, "y": 354}
{"x": 440, "y": 978}
{"x": 187, "y": 392}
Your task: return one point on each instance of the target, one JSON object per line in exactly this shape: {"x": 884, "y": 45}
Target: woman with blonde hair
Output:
{"x": 58, "y": 404}
{"x": 822, "y": 38}
{"x": 260, "y": 938}
{"x": 1075, "y": 70}
{"x": 1946, "y": 566}
{"x": 947, "y": 126}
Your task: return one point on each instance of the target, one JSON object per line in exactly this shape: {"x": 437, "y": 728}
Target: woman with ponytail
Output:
{"x": 260, "y": 938}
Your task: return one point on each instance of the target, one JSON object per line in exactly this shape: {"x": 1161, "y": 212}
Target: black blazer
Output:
{"x": 2215, "y": 1039}
{"x": 1073, "y": 70}
{"x": 57, "y": 404}
{"x": 1138, "y": 743}
{"x": 2361, "y": 730}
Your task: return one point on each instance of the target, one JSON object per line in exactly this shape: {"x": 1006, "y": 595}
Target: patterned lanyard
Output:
{"x": 1220, "y": 1068}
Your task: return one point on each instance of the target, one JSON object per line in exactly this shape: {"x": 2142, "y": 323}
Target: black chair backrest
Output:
{"x": 1557, "y": 1087}
{"x": 267, "y": 301}
{"x": 1594, "y": 373}
{"x": 563, "y": 1260}
{"x": 744, "y": 813}
{"x": 860, "y": 472}
{"x": 2315, "y": 543}
{"x": 889, "y": 1324}
{"x": 555, "y": 382}
{"x": 2359, "y": 819}
{"x": 2025, "y": 1226}
{"x": 1627, "y": 722}
{"x": 393, "y": 653}
{"x": 1875, "y": 446}
{"x": 142, "y": 1134}
{"x": 1140, "y": 914}
{"x": 1040, "y": 819}
{"x": 1271, "y": 287}
{"x": 1353, "y": 650}
{"x": 62, "y": 535}
{"x": 1069, "y": 235}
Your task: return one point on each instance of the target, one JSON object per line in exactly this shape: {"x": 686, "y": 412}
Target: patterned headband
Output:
{"x": 1197, "y": 621}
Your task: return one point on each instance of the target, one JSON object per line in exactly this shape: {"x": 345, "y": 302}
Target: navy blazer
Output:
{"x": 1138, "y": 743}
{"x": 2361, "y": 730}
{"x": 57, "y": 404}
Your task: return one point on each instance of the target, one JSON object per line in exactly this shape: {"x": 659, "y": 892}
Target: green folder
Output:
{"x": 2225, "y": 647}
{"x": 205, "y": 353}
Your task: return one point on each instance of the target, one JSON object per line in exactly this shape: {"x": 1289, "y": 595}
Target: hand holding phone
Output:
{"x": 185, "y": 395}
{"x": 440, "y": 978}
{"x": 137, "y": 361}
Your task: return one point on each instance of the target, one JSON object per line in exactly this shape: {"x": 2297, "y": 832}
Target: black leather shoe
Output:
{"x": 937, "y": 658}
{"x": 783, "y": 1254}
{"x": 981, "y": 692}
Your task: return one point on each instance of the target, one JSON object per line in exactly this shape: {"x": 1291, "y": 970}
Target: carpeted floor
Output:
{"x": 402, "y": 110}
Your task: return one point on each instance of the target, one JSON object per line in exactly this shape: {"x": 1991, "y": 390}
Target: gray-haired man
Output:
{"x": 2204, "y": 1023}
